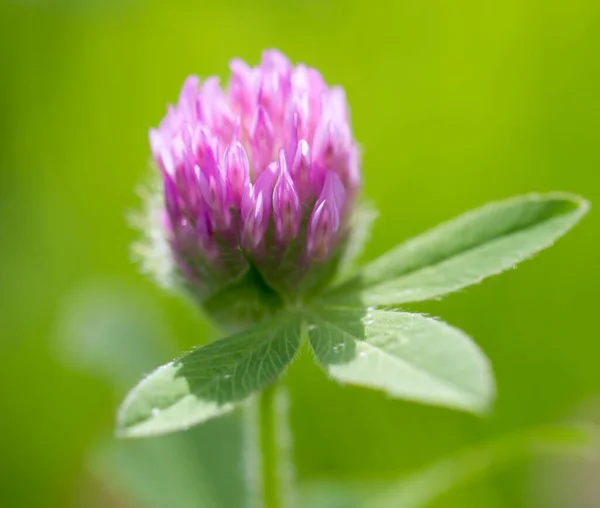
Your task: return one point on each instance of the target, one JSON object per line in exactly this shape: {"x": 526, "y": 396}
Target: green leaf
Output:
{"x": 154, "y": 473}
{"x": 424, "y": 487}
{"x": 331, "y": 494}
{"x": 405, "y": 355}
{"x": 466, "y": 250}
{"x": 209, "y": 381}
{"x": 182, "y": 470}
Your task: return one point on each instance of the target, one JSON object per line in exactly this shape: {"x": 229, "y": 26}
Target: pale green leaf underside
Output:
{"x": 466, "y": 250}
{"x": 405, "y": 355}
{"x": 209, "y": 381}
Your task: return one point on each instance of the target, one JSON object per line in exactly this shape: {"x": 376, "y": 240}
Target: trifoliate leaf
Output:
{"x": 466, "y": 250}
{"x": 406, "y": 355}
{"x": 209, "y": 381}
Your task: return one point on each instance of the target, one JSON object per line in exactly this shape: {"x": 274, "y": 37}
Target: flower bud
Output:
{"x": 301, "y": 169}
{"x": 256, "y": 207}
{"x": 262, "y": 140}
{"x": 286, "y": 204}
{"x": 325, "y": 221}
{"x": 237, "y": 171}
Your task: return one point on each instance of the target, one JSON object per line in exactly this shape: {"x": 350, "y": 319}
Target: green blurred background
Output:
{"x": 455, "y": 103}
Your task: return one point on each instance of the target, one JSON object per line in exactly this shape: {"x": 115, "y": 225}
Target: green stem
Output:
{"x": 268, "y": 449}
{"x": 268, "y": 435}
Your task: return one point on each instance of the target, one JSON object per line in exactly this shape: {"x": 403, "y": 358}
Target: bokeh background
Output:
{"x": 455, "y": 103}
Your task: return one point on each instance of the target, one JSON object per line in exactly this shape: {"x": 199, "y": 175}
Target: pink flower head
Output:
{"x": 265, "y": 171}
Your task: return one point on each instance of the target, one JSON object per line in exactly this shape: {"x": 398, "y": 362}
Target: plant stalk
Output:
{"x": 269, "y": 445}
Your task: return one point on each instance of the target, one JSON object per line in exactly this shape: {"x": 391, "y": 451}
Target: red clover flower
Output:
{"x": 262, "y": 175}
